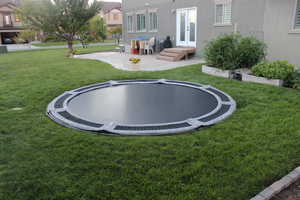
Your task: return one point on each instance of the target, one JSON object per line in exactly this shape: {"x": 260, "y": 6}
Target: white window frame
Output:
{"x": 293, "y": 28}
{"x": 224, "y": 4}
{"x": 141, "y": 12}
{"x": 7, "y": 20}
{"x": 130, "y": 29}
{"x": 151, "y": 29}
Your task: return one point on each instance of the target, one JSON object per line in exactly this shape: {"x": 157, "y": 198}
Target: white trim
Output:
{"x": 224, "y": 4}
{"x": 139, "y": 12}
{"x": 132, "y": 22}
{"x": 293, "y": 20}
{"x": 187, "y": 41}
{"x": 222, "y": 25}
{"x": 149, "y": 21}
{"x": 222, "y": 1}
{"x": 143, "y": 12}
{"x": 152, "y": 10}
{"x": 294, "y": 31}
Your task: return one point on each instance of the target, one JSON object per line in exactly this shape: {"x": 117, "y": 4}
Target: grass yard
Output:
{"x": 41, "y": 160}
{"x": 47, "y": 44}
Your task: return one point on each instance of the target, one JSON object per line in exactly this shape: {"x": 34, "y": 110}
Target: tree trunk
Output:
{"x": 70, "y": 46}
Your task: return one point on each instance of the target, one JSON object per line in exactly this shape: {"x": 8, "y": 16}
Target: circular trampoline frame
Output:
{"x": 58, "y": 111}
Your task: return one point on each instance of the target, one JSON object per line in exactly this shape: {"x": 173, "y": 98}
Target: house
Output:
{"x": 111, "y": 12}
{"x": 194, "y": 22}
{"x": 10, "y": 24}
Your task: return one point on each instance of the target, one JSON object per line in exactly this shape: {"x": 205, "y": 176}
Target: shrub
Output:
{"x": 280, "y": 69}
{"x": 251, "y": 51}
{"x": 221, "y": 52}
{"x": 294, "y": 82}
{"x": 233, "y": 52}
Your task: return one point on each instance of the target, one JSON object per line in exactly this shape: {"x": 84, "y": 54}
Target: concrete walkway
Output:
{"x": 147, "y": 63}
{"x": 27, "y": 47}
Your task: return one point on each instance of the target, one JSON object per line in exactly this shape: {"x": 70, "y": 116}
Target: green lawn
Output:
{"x": 47, "y": 44}
{"x": 41, "y": 160}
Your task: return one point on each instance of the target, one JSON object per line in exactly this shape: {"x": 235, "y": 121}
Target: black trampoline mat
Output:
{"x": 142, "y": 104}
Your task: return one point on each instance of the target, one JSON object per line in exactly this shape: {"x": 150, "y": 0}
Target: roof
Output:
{"x": 108, "y": 6}
{"x": 11, "y": 2}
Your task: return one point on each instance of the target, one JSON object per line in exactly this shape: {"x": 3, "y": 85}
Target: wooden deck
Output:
{"x": 176, "y": 54}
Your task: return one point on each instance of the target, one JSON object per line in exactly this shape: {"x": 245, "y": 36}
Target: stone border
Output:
{"x": 278, "y": 186}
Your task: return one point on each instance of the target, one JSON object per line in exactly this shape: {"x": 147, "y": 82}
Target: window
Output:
{"x": 153, "y": 21}
{"x": 297, "y": 15}
{"x": 116, "y": 16}
{"x": 130, "y": 23}
{"x": 141, "y": 22}
{"x": 223, "y": 12}
{"x": 17, "y": 19}
{"x": 7, "y": 20}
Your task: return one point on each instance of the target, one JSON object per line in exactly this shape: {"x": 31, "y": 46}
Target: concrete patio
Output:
{"x": 147, "y": 63}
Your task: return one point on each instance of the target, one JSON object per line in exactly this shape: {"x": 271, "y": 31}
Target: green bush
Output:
{"x": 232, "y": 51}
{"x": 280, "y": 69}
{"x": 250, "y": 52}
{"x": 294, "y": 82}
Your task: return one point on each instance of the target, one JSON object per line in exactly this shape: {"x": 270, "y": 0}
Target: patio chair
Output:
{"x": 142, "y": 47}
{"x": 121, "y": 48}
{"x": 149, "y": 46}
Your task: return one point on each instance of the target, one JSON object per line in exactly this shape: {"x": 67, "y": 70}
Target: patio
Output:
{"x": 147, "y": 63}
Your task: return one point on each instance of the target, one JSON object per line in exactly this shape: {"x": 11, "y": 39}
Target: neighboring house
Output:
{"x": 10, "y": 24}
{"x": 112, "y": 14}
{"x": 194, "y": 22}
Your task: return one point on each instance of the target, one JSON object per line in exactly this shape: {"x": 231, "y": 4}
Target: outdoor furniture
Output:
{"x": 136, "y": 43}
{"x": 3, "y": 49}
{"x": 142, "y": 47}
{"x": 121, "y": 48}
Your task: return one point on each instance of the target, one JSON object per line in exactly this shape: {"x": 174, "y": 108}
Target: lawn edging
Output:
{"x": 255, "y": 79}
{"x": 279, "y": 185}
{"x": 217, "y": 72}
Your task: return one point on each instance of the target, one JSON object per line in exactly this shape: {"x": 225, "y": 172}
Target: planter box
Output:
{"x": 217, "y": 72}
{"x": 255, "y": 79}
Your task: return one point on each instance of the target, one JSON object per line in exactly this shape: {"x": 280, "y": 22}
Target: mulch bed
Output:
{"x": 291, "y": 193}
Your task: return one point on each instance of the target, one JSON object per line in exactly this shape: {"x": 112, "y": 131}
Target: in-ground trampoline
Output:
{"x": 141, "y": 107}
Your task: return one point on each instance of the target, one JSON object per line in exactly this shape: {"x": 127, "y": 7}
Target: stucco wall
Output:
{"x": 109, "y": 17}
{"x": 283, "y": 42}
{"x": 247, "y": 18}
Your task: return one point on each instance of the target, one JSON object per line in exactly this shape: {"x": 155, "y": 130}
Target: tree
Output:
{"x": 85, "y": 36}
{"x": 98, "y": 28}
{"x": 27, "y": 35}
{"x": 116, "y": 32}
{"x": 64, "y": 18}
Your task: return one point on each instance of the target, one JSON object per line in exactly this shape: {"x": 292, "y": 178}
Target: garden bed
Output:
{"x": 251, "y": 78}
{"x": 217, "y": 72}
